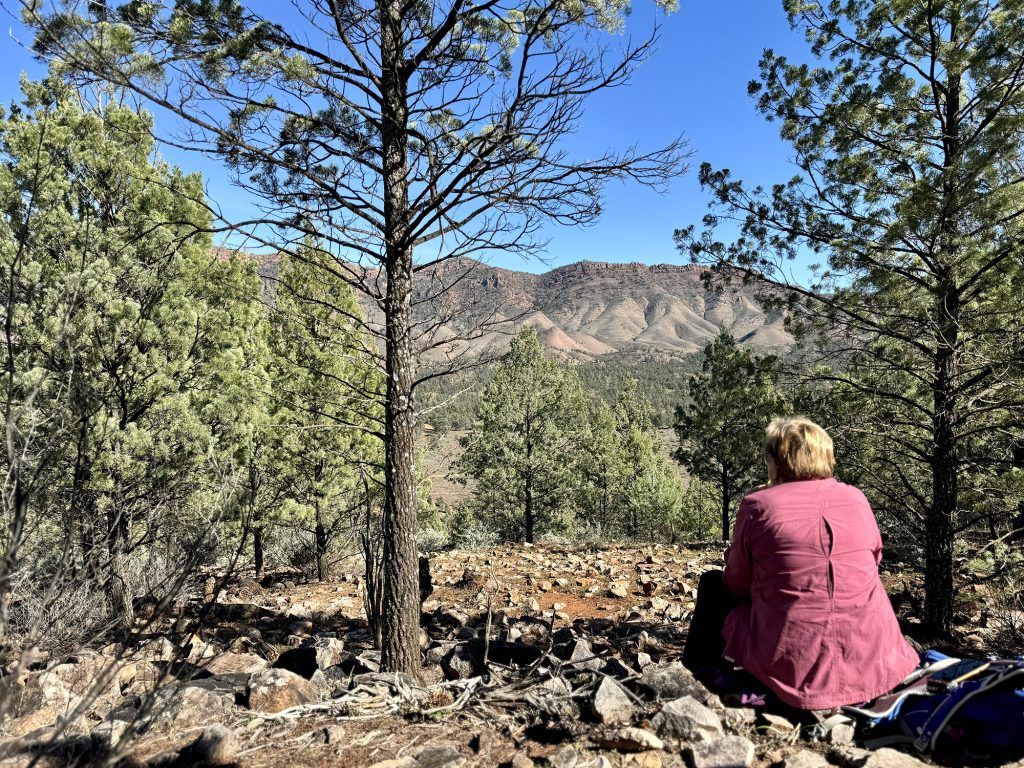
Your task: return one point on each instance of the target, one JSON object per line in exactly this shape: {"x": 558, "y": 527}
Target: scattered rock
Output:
{"x": 842, "y": 734}
{"x": 275, "y": 690}
{"x": 472, "y": 578}
{"x": 631, "y": 740}
{"x": 727, "y": 752}
{"x": 685, "y": 720}
{"x": 322, "y": 653}
{"x": 144, "y": 678}
{"x": 438, "y": 756}
{"x": 235, "y": 663}
{"x": 336, "y": 734}
{"x": 460, "y": 663}
{"x": 357, "y": 665}
{"x": 892, "y": 758}
{"x": 805, "y": 759}
{"x": 611, "y": 704}
{"x": 483, "y": 741}
{"x": 672, "y": 681}
{"x": 301, "y": 628}
{"x": 738, "y": 718}
{"x": 565, "y": 757}
{"x": 615, "y": 668}
{"x": 390, "y": 683}
{"x": 779, "y": 725}
{"x": 193, "y": 705}
{"x": 215, "y": 746}
{"x": 520, "y": 760}
{"x": 401, "y": 762}
{"x": 435, "y": 653}
{"x": 557, "y": 686}
{"x": 107, "y": 734}
{"x": 582, "y": 656}
{"x": 638, "y": 760}
{"x": 850, "y": 757}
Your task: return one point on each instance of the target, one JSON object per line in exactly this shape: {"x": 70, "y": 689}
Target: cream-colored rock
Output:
{"x": 275, "y": 690}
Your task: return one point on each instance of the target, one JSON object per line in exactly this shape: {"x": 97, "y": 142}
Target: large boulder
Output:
{"x": 39, "y": 690}
{"x": 87, "y": 684}
{"x": 275, "y": 690}
{"x": 192, "y": 706}
{"x": 43, "y": 717}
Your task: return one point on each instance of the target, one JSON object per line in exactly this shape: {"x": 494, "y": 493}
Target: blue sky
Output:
{"x": 694, "y": 84}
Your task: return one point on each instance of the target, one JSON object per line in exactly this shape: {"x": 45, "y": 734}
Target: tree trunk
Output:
{"x": 726, "y": 492}
{"x": 528, "y": 507}
{"x": 320, "y": 535}
{"x": 372, "y": 588}
{"x": 122, "y": 608}
{"x": 938, "y": 571}
{"x": 400, "y": 615}
{"x": 938, "y": 576}
{"x": 257, "y": 551}
{"x": 9, "y": 565}
{"x": 528, "y": 510}
{"x": 605, "y": 503}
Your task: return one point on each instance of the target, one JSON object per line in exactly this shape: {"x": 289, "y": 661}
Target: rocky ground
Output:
{"x": 535, "y": 656}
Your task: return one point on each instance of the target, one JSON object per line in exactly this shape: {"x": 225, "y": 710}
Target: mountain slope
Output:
{"x": 589, "y": 309}
{"x": 581, "y": 311}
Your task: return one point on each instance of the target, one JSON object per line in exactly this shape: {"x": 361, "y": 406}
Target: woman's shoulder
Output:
{"x": 851, "y": 492}
{"x": 812, "y": 491}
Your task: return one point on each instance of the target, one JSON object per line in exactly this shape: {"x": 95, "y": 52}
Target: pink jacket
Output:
{"x": 819, "y": 630}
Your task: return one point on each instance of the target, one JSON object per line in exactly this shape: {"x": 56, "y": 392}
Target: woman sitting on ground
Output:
{"x": 810, "y": 618}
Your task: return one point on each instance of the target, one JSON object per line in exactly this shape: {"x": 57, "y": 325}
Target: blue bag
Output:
{"x": 957, "y": 710}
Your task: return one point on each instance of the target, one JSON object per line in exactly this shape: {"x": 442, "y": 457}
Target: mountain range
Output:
{"x": 581, "y": 311}
{"x": 589, "y": 309}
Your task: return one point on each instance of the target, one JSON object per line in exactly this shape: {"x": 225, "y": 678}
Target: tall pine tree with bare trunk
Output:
{"x": 405, "y": 136}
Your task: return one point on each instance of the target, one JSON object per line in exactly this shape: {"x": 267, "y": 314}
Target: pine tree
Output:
{"x": 721, "y": 428}
{"x": 523, "y": 452}
{"x": 629, "y": 487}
{"x": 404, "y": 135}
{"x": 602, "y": 468}
{"x": 132, "y": 336}
{"x": 327, "y": 391}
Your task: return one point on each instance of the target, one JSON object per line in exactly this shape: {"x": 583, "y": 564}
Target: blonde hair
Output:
{"x": 798, "y": 449}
